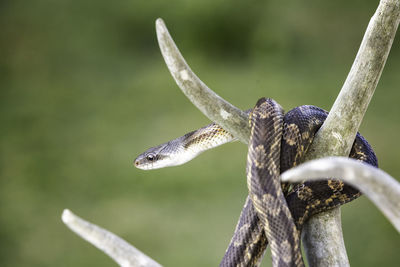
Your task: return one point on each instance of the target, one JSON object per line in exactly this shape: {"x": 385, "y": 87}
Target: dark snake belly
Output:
{"x": 294, "y": 135}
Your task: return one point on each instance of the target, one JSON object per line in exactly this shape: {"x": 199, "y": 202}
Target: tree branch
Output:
{"x": 118, "y": 249}
{"x": 337, "y": 134}
{"x": 334, "y": 138}
{"x": 212, "y": 105}
{"x": 382, "y": 189}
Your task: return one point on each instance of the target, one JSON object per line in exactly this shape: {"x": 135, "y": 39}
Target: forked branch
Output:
{"x": 335, "y": 137}
{"x": 324, "y": 247}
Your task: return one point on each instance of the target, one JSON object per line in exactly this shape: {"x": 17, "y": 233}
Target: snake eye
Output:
{"x": 150, "y": 157}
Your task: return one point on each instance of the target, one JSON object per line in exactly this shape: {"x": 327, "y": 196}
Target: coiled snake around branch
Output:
{"x": 273, "y": 212}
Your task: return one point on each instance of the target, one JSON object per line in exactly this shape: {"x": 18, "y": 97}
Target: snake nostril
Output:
{"x": 136, "y": 163}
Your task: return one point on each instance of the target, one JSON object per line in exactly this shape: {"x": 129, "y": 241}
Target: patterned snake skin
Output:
{"x": 276, "y": 213}
{"x": 273, "y": 212}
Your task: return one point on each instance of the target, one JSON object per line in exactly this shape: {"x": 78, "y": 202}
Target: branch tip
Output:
{"x": 114, "y": 246}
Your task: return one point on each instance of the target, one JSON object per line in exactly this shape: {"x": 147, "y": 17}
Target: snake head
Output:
{"x": 183, "y": 149}
{"x": 168, "y": 154}
{"x": 152, "y": 158}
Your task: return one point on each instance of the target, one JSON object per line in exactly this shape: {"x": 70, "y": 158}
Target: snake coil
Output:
{"x": 273, "y": 212}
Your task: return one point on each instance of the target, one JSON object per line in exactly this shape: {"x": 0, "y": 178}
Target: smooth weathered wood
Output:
{"x": 118, "y": 249}
{"x": 337, "y": 134}
{"x": 323, "y": 239}
{"x": 212, "y": 105}
{"x": 382, "y": 189}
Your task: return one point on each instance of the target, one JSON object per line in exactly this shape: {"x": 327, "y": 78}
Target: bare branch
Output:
{"x": 118, "y": 249}
{"x": 337, "y": 134}
{"x": 212, "y": 105}
{"x": 382, "y": 189}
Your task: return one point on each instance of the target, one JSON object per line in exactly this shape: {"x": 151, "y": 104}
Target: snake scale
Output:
{"x": 273, "y": 212}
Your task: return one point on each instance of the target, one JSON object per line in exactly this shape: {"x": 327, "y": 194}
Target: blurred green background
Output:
{"x": 84, "y": 90}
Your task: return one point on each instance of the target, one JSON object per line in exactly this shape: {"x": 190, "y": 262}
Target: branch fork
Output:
{"x": 322, "y": 235}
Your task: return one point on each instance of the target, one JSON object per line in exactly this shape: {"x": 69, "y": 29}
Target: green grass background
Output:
{"x": 84, "y": 90}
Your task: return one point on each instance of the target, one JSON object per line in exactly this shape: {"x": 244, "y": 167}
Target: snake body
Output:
{"x": 265, "y": 190}
{"x": 273, "y": 212}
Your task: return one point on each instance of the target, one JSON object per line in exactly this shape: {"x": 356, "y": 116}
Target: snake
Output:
{"x": 273, "y": 212}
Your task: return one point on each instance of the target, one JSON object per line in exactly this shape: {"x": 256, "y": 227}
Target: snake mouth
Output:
{"x": 140, "y": 164}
